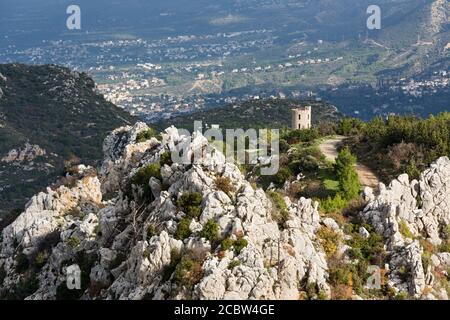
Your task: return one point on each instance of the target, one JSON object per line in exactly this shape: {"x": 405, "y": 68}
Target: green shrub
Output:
{"x": 145, "y": 135}
{"x": 175, "y": 258}
{"x": 445, "y": 246}
{"x": 143, "y": 175}
{"x": 146, "y": 254}
{"x": 183, "y": 230}
{"x": 240, "y": 244}
{"x": 189, "y": 271}
{"x": 404, "y": 230}
{"x": 296, "y": 136}
{"x": 306, "y": 163}
{"x": 151, "y": 231}
{"x": 284, "y": 146}
{"x": 233, "y": 264}
{"x": 41, "y": 259}
{"x": 76, "y": 213}
{"x": 210, "y": 230}
{"x": 329, "y": 239}
{"x": 73, "y": 242}
{"x": 165, "y": 158}
{"x": 313, "y": 292}
{"x": 282, "y": 176}
{"x": 349, "y": 126}
{"x": 370, "y": 250}
{"x": 224, "y": 184}
{"x": 401, "y": 296}
{"x": 278, "y": 200}
{"x": 333, "y": 204}
{"x": 190, "y": 203}
{"x": 226, "y": 244}
{"x": 446, "y": 232}
{"x": 348, "y": 275}
{"x": 282, "y": 213}
{"x": 347, "y": 175}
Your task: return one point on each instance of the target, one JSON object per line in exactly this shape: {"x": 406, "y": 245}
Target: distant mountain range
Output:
{"x": 48, "y": 115}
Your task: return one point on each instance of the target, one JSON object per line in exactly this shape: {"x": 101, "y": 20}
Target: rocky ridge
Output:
{"x": 125, "y": 237}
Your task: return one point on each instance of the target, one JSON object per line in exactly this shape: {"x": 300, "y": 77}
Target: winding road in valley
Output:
{"x": 330, "y": 149}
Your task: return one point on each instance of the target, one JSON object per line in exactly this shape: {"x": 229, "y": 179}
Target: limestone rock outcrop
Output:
{"x": 148, "y": 227}
{"x": 408, "y": 210}
{"x": 125, "y": 240}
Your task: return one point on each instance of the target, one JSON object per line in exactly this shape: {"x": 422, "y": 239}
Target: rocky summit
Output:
{"x": 146, "y": 228}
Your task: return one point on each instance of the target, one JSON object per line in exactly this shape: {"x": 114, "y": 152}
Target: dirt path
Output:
{"x": 366, "y": 176}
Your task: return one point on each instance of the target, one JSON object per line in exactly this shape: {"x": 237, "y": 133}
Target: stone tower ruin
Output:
{"x": 301, "y": 118}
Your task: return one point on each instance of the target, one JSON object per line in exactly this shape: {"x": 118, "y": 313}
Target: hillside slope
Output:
{"x": 270, "y": 113}
{"x": 177, "y": 231}
{"x": 48, "y": 114}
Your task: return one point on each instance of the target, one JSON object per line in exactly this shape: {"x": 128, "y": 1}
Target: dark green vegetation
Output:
{"x": 146, "y": 135}
{"x": 270, "y": 113}
{"x": 190, "y": 203}
{"x": 400, "y": 143}
{"x": 142, "y": 177}
{"x": 58, "y": 110}
{"x": 210, "y": 230}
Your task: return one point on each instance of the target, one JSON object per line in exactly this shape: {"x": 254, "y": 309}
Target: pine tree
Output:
{"x": 347, "y": 175}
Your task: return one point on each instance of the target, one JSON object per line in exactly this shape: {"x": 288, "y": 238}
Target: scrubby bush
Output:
{"x": 346, "y": 278}
{"x": 175, "y": 258}
{"x": 41, "y": 259}
{"x": 240, "y": 244}
{"x": 189, "y": 271}
{"x": 370, "y": 250}
{"x": 281, "y": 214}
{"x": 226, "y": 244}
{"x": 404, "y": 230}
{"x": 145, "y": 135}
{"x": 73, "y": 242}
{"x": 333, "y": 204}
{"x": 445, "y": 246}
{"x": 428, "y": 250}
{"x": 224, "y": 184}
{"x": 146, "y": 254}
{"x": 329, "y": 239}
{"x": 233, "y": 264}
{"x": 402, "y": 296}
{"x": 142, "y": 177}
{"x": 151, "y": 231}
{"x": 190, "y": 204}
{"x": 282, "y": 176}
{"x": 350, "y": 126}
{"x": 306, "y": 163}
{"x": 165, "y": 159}
{"x": 296, "y": 136}
{"x": 284, "y": 146}
{"x": 314, "y": 293}
{"x": 183, "y": 230}
{"x": 347, "y": 175}
{"x": 210, "y": 230}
